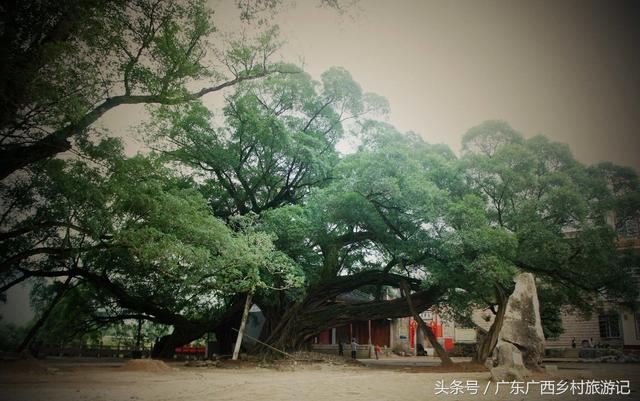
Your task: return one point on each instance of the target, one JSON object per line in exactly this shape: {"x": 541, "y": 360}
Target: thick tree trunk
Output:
{"x": 272, "y": 317}
{"x": 319, "y": 310}
{"x": 488, "y": 344}
{"x": 15, "y": 158}
{"x": 137, "y": 353}
{"x": 165, "y": 347}
{"x": 184, "y": 333}
{"x": 225, "y": 335}
{"x": 43, "y": 318}
{"x": 442, "y": 353}
{"x": 139, "y": 334}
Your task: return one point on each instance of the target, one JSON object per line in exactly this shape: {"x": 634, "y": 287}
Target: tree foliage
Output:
{"x": 557, "y": 208}
{"x": 140, "y": 241}
{"x": 66, "y": 63}
{"x": 254, "y": 198}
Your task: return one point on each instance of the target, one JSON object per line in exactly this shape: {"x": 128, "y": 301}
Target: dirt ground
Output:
{"x": 109, "y": 381}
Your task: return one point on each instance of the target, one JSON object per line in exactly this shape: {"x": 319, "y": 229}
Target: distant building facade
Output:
{"x": 614, "y": 324}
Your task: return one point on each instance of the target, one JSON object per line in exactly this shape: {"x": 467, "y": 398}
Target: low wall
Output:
{"x": 363, "y": 351}
{"x": 91, "y": 351}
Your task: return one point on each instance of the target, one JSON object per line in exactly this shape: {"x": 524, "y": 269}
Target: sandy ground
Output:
{"x": 106, "y": 381}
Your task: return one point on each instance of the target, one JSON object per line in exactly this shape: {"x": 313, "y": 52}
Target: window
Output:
{"x": 630, "y": 228}
{"x": 609, "y": 326}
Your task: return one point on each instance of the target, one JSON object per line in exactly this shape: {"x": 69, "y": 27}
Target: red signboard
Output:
{"x": 190, "y": 350}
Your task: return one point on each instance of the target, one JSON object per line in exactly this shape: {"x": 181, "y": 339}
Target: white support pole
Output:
{"x": 243, "y": 323}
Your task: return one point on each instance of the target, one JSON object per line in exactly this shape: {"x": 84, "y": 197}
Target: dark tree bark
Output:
{"x": 137, "y": 353}
{"x": 225, "y": 335}
{"x": 43, "y": 318}
{"x": 185, "y": 333}
{"x": 185, "y": 330}
{"x": 442, "y": 353}
{"x": 488, "y": 344}
{"x": 15, "y": 157}
{"x": 272, "y": 310}
{"x": 319, "y": 310}
{"x": 181, "y": 335}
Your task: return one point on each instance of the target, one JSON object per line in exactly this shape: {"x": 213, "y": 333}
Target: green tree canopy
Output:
{"x": 558, "y": 209}
{"x": 66, "y": 63}
{"x": 143, "y": 239}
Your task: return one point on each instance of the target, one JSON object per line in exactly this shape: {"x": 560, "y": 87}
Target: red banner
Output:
{"x": 190, "y": 350}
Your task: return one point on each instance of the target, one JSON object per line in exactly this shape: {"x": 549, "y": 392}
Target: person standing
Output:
{"x": 377, "y": 350}
{"x": 340, "y": 348}
{"x": 354, "y": 348}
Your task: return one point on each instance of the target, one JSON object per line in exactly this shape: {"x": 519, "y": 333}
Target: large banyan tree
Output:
{"x": 254, "y": 199}
{"x": 259, "y": 202}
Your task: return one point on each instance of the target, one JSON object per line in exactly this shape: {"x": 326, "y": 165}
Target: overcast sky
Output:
{"x": 567, "y": 69}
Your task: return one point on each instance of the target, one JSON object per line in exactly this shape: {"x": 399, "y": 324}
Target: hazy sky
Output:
{"x": 568, "y": 69}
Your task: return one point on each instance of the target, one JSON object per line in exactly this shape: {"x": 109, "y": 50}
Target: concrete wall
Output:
{"x": 400, "y": 336}
{"x": 629, "y": 330}
{"x": 578, "y": 327}
{"x": 582, "y": 328}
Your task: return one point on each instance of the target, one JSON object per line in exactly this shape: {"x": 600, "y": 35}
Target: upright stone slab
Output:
{"x": 508, "y": 355}
{"x": 509, "y": 363}
{"x": 522, "y": 326}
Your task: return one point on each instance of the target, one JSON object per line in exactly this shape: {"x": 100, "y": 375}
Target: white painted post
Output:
{"x": 245, "y": 314}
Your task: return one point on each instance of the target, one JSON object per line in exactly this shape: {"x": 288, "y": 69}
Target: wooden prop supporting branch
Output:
{"x": 269, "y": 346}
{"x": 243, "y": 323}
{"x": 442, "y": 353}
